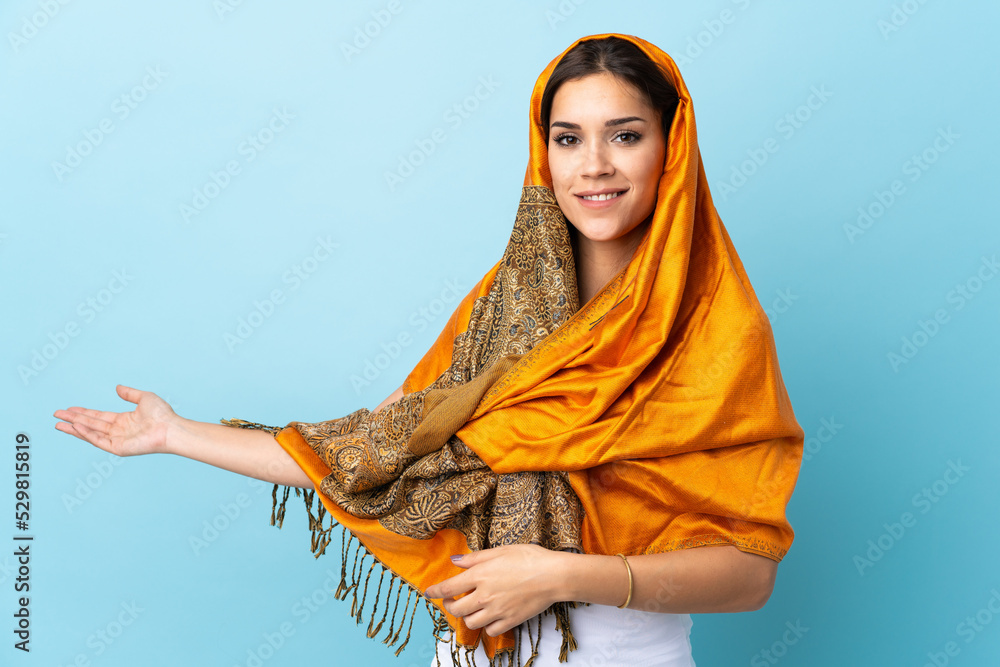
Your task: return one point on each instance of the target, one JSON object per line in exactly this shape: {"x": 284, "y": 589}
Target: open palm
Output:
{"x": 141, "y": 431}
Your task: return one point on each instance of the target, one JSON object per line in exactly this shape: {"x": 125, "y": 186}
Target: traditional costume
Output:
{"x": 652, "y": 418}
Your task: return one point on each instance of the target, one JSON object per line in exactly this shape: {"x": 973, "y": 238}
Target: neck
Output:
{"x": 597, "y": 262}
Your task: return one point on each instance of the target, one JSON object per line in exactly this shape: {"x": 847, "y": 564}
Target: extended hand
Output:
{"x": 505, "y": 586}
{"x": 141, "y": 431}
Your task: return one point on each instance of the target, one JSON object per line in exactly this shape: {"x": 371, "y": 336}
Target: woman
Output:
{"x": 544, "y": 454}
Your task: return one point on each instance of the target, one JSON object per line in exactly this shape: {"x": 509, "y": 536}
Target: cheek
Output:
{"x": 652, "y": 170}
{"x": 560, "y": 185}
{"x": 556, "y": 170}
{"x": 562, "y": 181}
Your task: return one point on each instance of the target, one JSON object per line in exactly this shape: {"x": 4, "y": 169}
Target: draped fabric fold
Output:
{"x": 651, "y": 418}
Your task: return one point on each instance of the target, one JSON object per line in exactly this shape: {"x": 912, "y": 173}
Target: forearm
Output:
{"x": 247, "y": 452}
{"x": 698, "y": 580}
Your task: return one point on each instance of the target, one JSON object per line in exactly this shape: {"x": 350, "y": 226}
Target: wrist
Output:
{"x": 174, "y": 430}
{"x": 565, "y": 573}
{"x": 575, "y": 576}
{"x": 595, "y": 578}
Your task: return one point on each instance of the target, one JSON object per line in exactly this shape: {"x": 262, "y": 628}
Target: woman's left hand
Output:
{"x": 504, "y": 586}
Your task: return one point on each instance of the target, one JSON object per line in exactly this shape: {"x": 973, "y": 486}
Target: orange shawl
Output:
{"x": 659, "y": 402}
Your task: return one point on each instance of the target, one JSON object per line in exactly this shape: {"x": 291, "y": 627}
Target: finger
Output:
{"x": 91, "y": 423}
{"x": 467, "y": 560}
{"x": 128, "y": 393}
{"x": 68, "y": 428}
{"x": 93, "y": 437}
{"x": 462, "y": 607}
{"x": 497, "y": 628}
{"x": 481, "y": 618}
{"x": 96, "y": 414}
{"x": 449, "y": 588}
{"x": 475, "y": 557}
{"x": 438, "y": 591}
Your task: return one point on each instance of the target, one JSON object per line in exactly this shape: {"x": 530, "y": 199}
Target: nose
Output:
{"x": 596, "y": 161}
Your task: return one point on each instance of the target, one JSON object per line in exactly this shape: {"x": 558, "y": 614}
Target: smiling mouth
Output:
{"x": 603, "y": 196}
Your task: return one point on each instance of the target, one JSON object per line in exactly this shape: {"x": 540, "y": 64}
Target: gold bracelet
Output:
{"x": 629, "y": 568}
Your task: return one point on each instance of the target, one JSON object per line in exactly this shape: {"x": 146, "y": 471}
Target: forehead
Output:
{"x": 598, "y": 94}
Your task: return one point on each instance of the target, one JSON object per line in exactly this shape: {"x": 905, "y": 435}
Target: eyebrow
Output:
{"x": 611, "y": 123}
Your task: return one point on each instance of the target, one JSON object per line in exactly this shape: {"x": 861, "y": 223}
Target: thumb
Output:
{"x": 128, "y": 393}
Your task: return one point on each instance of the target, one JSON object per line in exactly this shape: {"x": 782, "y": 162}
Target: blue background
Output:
{"x": 894, "y": 77}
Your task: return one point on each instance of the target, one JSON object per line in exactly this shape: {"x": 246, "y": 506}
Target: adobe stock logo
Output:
{"x": 224, "y": 7}
{"x": 698, "y": 43}
{"x": 122, "y": 107}
{"x": 963, "y": 293}
{"x": 295, "y": 276}
{"x": 419, "y": 320}
{"x": 827, "y": 431}
{"x": 87, "y": 310}
{"x": 968, "y": 629}
{"x": 85, "y": 486}
{"x": 782, "y": 303}
{"x": 787, "y": 126}
{"x": 228, "y": 514}
{"x": 924, "y": 500}
{"x": 104, "y": 637}
{"x": 455, "y": 116}
{"x": 900, "y": 16}
{"x": 778, "y": 650}
{"x": 363, "y": 37}
{"x": 249, "y": 149}
{"x": 914, "y": 168}
{"x": 48, "y": 9}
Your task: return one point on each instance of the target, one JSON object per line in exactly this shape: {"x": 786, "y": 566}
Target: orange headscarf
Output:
{"x": 660, "y": 399}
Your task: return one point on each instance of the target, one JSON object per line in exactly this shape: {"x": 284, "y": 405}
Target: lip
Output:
{"x": 590, "y": 203}
{"x": 605, "y": 191}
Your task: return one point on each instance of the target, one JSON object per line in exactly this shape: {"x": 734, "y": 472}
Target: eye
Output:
{"x": 566, "y": 139}
{"x": 627, "y": 136}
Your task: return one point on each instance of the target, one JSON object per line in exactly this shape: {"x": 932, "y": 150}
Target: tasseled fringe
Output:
{"x": 364, "y": 595}
{"x": 405, "y": 609}
{"x": 321, "y": 526}
{"x": 343, "y": 566}
{"x": 320, "y": 539}
{"x": 511, "y": 657}
{"x": 242, "y": 423}
{"x": 562, "y": 624}
{"x": 320, "y": 535}
{"x": 355, "y": 582}
{"x": 532, "y": 641}
{"x": 395, "y": 608}
{"x": 278, "y": 511}
{"x": 439, "y": 620}
{"x": 408, "y": 628}
{"x": 372, "y": 628}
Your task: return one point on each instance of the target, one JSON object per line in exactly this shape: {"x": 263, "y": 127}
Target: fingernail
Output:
{"x": 456, "y": 558}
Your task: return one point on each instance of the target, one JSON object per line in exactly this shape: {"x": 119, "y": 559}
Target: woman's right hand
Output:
{"x": 141, "y": 431}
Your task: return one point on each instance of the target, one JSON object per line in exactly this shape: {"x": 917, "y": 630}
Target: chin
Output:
{"x": 602, "y": 231}
{"x": 598, "y": 236}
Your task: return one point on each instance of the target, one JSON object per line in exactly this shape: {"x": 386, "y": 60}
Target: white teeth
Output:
{"x": 601, "y": 197}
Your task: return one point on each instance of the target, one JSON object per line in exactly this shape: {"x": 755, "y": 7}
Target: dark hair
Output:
{"x": 624, "y": 60}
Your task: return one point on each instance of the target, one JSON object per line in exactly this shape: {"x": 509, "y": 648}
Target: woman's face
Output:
{"x": 606, "y": 153}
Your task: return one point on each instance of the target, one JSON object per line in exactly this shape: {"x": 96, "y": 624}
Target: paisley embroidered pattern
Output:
{"x": 375, "y": 475}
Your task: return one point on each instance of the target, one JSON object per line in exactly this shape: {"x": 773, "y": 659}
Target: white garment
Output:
{"x": 605, "y": 636}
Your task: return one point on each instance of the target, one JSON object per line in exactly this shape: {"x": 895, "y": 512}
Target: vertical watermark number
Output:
{"x": 22, "y": 542}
